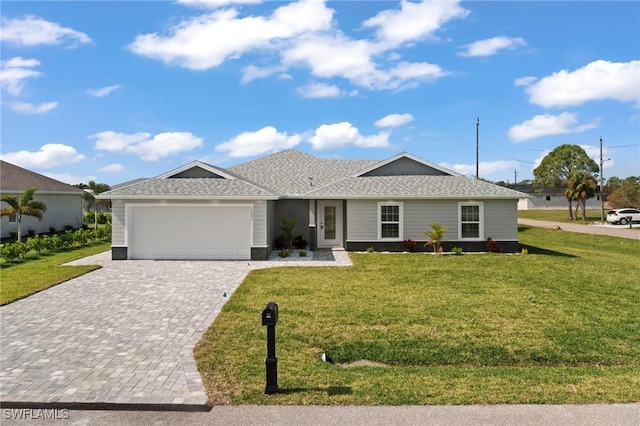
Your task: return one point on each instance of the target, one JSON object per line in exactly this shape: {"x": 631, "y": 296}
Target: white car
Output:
{"x": 621, "y": 216}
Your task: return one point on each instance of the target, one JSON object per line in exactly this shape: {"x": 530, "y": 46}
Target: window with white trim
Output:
{"x": 389, "y": 221}
{"x": 470, "y": 221}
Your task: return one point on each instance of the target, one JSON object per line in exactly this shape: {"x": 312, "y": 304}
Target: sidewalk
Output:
{"x": 495, "y": 415}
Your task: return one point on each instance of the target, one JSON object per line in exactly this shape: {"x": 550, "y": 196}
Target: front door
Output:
{"x": 329, "y": 223}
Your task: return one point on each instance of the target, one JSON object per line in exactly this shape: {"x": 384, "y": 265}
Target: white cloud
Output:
{"x": 319, "y": 90}
{"x": 340, "y": 135}
{"x": 144, "y": 145}
{"x": 103, "y": 91}
{"x": 27, "y": 108}
{"x": 33, "y": 30}
{"x": 524, "y": 81}
{"x": 485, "y": 168}
{"x": 491, "y": 46}
{"x": 252, "y": 72}
{"x": 49, "y": 155}
{"x": 414, "y": 21}
{"x": 69, "y": 178}
{"x": 546, "y": 125}
{"x": 14, "y": 71}
{"x": 111, "y": 168}
{"x": 267, "y": 139}
{"x": 330, "y": 56}
{"x": 393, "y": 120}
{"x": 189, "y": 43}
{"x": 214, "y": 4}
{"x": 597, "y": 80}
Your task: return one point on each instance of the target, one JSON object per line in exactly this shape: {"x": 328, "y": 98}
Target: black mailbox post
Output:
{"x": 270, "y": 318}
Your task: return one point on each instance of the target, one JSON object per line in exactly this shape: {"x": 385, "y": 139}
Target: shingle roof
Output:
{"x": 17, "y": 179}
{"x": 413, "y": 187}
{"x": 288, "y": 172}
{"x": 189, "y": 188}
{"x": 292, "y": 173}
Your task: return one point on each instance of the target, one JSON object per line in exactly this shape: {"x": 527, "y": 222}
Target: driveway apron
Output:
{"x": 123, "y": 334}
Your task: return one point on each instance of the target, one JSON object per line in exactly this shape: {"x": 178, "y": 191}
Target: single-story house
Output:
{"x": 199, "y": 211}
{"x": 64, "y": 202}
{"x": 547, "y": 198}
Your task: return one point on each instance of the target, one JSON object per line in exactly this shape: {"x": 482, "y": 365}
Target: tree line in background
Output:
{"x": 569, "y": 168}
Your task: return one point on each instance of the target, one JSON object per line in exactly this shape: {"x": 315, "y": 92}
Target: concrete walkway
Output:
{"x": 622, "y": 231}
{"x": 123, "y": 334}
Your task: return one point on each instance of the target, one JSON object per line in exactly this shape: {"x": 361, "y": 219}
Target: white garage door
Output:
{"x": 189, "y": 232}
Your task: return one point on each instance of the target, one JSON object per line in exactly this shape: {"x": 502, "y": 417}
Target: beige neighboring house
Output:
{"x": 64, "y": 202}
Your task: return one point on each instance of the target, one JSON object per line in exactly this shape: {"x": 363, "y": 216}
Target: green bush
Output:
{"x": 35, "y": 243}
{"x": 13, "y": 251}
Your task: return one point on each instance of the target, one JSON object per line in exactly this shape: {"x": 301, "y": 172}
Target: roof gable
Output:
{"x": 405, "y": 164}
{"x": 197, "y": 170}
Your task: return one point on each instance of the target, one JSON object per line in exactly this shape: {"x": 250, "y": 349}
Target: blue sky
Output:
{"x": 113, "y": 91}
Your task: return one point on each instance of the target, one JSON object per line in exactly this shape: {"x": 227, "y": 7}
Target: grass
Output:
{"x": 20, "y": 279}
{"x": 593, "y": 215}
{"x": 558, "y": 325}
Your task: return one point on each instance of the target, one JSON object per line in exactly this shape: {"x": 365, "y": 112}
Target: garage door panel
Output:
{"x": 190, "y": 232}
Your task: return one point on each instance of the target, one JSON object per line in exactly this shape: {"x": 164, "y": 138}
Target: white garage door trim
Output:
{"x": 189, "y": 231}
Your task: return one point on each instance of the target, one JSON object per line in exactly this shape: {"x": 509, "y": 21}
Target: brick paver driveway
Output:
{"x": 123, "y": 334}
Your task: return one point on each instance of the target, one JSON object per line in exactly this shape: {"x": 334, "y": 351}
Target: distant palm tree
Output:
{"x": 23, "y": 206}
{"x": 580, "y": 186}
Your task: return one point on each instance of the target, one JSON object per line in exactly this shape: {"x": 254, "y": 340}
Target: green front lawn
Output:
{"x": 558, "y": 325}
{"x": 38, "y": 272}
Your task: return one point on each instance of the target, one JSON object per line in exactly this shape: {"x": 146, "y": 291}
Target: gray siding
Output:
{"x": 117, "y": 223}
{"x": 500, "y": 219}
{"x": 62, "y": 210}
{"x": 403, "y": 167}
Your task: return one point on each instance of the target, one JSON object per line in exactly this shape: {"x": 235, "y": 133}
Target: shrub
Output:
{"x": 370, "y": 250}
{"x": 456, "y": 250}
{"x": 31, "y": 233}
{"x": 35, "y": 243}
{"x": 13, "y": 251}
{"x": 66, "y": 239}
{"x": 525, "y": 251}
{"x": 302, "y": 253}
{"x": 102, "y": 218}
{"x": 299, "y": 243}
{"x": 51, "y": 243}
{"x": 408, "y": 245}
{"x": 279, "y": 243}
{"x": 283, "y": 253}
{"x": 492, "y": 246}
{"x": 52, "y": 230}
{"x": 288, "y": 228}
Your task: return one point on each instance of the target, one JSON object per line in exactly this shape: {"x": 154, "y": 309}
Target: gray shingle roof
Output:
{"x": 189, "y": 188}
{"x": 17, "y": 179}
{"x": 292, "y": 173}
{"x": 288, "y": 172}
{"x": 413, "y": 187}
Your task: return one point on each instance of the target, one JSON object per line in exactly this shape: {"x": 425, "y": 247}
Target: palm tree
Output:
{"x": 23, "y": 206}
{"x": 89, "y": 196}
{"x": 580, "y": 186}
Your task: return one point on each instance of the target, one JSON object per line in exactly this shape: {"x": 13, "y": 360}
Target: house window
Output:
{"x": 471, "y": 226}
{"x": 390, "y": 221}
{"x": 13, "y": 218}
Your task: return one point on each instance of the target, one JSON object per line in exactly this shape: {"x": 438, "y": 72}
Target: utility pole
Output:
{"x": 515, "y": 176}
{"x": 478, "y": 148}
{"x": 601, "y": 183}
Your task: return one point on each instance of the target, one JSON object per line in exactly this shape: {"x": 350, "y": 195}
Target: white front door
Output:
{"x": 329, "y": 224}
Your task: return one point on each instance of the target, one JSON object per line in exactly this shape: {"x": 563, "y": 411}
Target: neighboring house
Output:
{"x": 547, "y": 198}
{"x": 199, "y": 211}
{"x": 64, "y": 202}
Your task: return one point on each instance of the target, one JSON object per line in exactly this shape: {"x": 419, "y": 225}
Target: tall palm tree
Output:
{"x": 25, "y": 205}
{"x": 90, "y": 192}
{"x": 580, "y": 186}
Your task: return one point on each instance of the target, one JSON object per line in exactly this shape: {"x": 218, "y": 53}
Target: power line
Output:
{"x": 522, "y": 161}
{"x": 623, "y": 146}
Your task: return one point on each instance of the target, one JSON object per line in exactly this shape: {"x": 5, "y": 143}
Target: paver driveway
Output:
{"x": 123, "y": 334}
